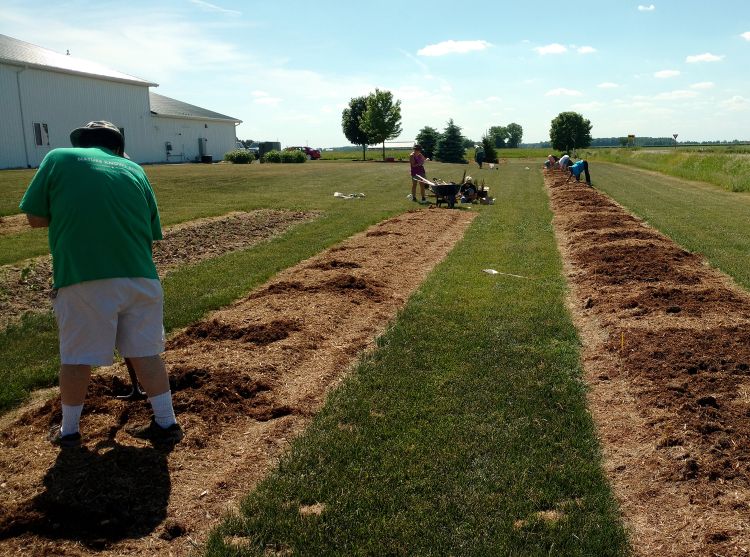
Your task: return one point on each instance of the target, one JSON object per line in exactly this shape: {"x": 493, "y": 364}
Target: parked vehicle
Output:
{"x": 309, "y": 152}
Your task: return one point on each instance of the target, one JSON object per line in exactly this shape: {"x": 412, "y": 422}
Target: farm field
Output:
{"x": 464, "y": 427}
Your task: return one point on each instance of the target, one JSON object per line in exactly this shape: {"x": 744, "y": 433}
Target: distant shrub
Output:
{"x": 271, "y": 156}
{"x": 284, "y": 156}
{"x": 239, "y": 156}
{"x": 293, "y": 156}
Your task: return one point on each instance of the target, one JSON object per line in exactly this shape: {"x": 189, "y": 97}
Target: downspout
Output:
{"x": 20, "y": 107}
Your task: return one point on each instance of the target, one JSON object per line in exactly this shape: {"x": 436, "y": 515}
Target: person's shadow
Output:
{"x": 97, "y": 496}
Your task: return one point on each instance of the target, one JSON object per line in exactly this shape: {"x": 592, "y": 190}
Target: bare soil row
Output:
{"x": 667, "y": 355}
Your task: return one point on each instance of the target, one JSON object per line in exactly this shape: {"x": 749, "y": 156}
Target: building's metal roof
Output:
{"x": 20, "y": 53}
{"x": 172, "y": 108}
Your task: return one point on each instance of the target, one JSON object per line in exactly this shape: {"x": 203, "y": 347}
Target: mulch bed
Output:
{"x": 667, "y": 354}
{"x": 245, "y": 381}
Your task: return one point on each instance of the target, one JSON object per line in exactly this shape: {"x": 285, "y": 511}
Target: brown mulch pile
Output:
{"x": 26, "y": 287}
{"x": 667, "y": 355}
{"x": 245, "y": 381}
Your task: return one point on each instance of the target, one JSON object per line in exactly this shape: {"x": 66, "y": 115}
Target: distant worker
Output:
{"x": 551, "y": 162}
{"x": 102, "y": 218}
{"x": 416, "y": 162}
{"x": 564, "y": 162}
{"x": 479, "y": 155}
{"x": 579, "y": 167}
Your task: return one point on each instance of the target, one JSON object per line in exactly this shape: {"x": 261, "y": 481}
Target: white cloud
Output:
{"x": 746, "y": 35}
{"x": 562, "y": 92}
{"x": 214, "y": 8}
{"x": 492, "y": 100}
{"x": 592, "y": 106}
{"x": 608, "y": 85}
{"x": 736, "y": 103}
{"x": 553, "y": 48}
{"x": 586, "y": 50}
{"x": 677, "y": 95}
{"x": 703, "y": 85}
{"x": 664, "y": 74}
{"x": 268, "y": 101}
{"x": 453, "y": 47}
{"x": 707, "y": 57}
{"x": 649, "y": 8}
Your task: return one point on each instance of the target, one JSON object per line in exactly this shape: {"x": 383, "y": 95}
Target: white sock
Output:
{"x": 163, "y": 411}
{"x": 71, "y": 416}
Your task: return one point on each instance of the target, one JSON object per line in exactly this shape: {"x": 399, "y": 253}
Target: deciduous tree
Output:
{"x": 499, "y": 135}
{"x": 515, "y": 134}
{"x": 570, "y": 130}
{"x": 351, "y": 123}
{"x": 382, "y": 118}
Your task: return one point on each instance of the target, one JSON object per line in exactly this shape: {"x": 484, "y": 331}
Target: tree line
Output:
{"x": 376, "y": 118}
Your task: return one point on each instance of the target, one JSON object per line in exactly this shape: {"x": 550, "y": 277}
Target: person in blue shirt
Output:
{"x": 578, "y": 168}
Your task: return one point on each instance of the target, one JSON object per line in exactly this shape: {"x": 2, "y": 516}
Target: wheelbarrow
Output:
{"x": 445, "y": 192}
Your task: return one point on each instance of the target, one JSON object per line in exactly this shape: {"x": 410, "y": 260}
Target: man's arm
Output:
{"x": 37, "y": 222}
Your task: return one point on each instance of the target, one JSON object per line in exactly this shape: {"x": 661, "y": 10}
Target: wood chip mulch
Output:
{"x": 667, "y": 356}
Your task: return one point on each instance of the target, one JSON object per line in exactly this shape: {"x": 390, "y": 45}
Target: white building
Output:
{"x": 44, "y": 95}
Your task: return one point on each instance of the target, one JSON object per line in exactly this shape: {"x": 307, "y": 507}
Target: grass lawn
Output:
{"x": 728, "y": 167}
{"x": 464, "y": 429}
{"x": 701, "y": 217}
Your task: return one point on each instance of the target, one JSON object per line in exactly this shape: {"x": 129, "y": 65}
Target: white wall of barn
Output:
{"x": 183, "y": 135}
{"x": 65, "y": 101}
{"x": 12, "y": 152}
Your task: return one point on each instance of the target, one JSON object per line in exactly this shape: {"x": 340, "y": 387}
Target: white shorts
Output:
{"x": 96, "y": 316}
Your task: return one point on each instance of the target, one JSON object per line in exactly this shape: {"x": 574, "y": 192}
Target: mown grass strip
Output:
{"x": 728, "y": 168}
{"x": 698, "y": 216}
{"x": 465, "y": 432}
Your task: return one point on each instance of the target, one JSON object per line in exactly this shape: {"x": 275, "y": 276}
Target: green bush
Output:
{"x": 271, "y": 156}
{"x": 239, "y": 156}
{"x": 284, "y": 156}
{"x": 293, "y": 156}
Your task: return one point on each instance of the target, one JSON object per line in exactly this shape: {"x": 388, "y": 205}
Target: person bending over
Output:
{"x": 577, "y": 169}
{"x": 102, "y": 217}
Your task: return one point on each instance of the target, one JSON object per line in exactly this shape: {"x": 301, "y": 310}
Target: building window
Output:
{"x": 41, "y": 134}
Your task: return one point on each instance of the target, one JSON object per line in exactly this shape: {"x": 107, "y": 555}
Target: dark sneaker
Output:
{"x": 158, "y": 435}
{"x": 69, "y": 441}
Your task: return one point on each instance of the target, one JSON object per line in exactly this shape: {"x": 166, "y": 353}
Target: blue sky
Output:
{"x": 288, "y": 69}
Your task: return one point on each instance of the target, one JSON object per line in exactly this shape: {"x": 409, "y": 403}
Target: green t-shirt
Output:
{"x": 102, "y": 215}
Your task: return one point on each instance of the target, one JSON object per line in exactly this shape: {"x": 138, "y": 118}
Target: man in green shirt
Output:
{"x": 102, "y": 218}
